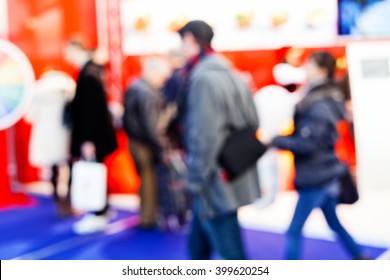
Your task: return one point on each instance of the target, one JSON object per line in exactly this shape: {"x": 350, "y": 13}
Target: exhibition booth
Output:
{"x": 255, "y": 35}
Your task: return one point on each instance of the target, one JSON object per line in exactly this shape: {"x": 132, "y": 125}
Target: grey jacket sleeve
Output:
{"x": 204, "y": 125}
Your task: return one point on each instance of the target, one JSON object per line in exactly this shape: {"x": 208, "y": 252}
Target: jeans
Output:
{"x": 221, "y": 235}
{"x": 308, "y": 200}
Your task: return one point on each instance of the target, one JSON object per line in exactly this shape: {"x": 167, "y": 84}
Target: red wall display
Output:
{"x": 41, "y": 29}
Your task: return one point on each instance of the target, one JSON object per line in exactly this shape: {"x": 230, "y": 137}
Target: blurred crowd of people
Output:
{"x": 177, "y": 115}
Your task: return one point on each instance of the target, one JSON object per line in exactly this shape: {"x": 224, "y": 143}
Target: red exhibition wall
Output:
{"x": 41, "y": 29}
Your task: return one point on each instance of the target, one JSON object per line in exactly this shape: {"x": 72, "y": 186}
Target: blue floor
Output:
{"x": 36, "y": 232}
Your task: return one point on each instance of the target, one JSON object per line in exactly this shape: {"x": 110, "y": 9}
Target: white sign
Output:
{"x": 149, "y": 26}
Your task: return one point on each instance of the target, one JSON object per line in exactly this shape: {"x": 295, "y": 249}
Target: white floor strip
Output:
{"x": 385, "y": 256}
{"x": 122, "y": 225}
{"x": 113, "y": 228}
{"x": 56, "y": 248}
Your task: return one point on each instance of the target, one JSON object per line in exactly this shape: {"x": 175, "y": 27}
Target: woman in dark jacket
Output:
{"x": 313, "y": 144}
{"x": 92, "y": 134}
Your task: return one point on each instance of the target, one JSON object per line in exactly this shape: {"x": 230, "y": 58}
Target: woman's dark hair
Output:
{"x": 77, "y": 43}
{"x": 326, "y": 61}
{"x": 346, "y": 87}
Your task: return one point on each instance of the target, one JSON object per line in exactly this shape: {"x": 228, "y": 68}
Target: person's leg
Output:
{"x": 70, "y": 166}
{"x": 143, "y": 159}
{"x": 62, "y": 201}
{"x": 198, "y": 242}
{"x": 149, "y": 197}
{"x": 54, "y": 181}
{"x": 307, "y": 201}
{"x": 329, "y": 210}
{"x": 104, "y": 211}
{"x": 226, "y": 237}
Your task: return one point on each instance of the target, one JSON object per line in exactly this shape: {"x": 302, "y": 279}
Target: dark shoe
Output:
{"x": 363, "y": 258}
{"x": 148, "y": 226}
{"x": 64, "y": 208}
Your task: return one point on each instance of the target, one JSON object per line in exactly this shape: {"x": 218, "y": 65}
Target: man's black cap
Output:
{"x": 202, "y": 32}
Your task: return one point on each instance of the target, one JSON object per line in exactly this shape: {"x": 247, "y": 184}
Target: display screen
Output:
{"x": 364, "y": 18}
{"x": 375, "y": 68}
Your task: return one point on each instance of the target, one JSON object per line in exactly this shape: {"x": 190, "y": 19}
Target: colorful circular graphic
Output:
{"x": 16, "y": 82}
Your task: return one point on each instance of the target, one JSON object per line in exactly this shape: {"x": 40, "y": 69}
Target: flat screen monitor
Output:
{"x": 364, "y": 18}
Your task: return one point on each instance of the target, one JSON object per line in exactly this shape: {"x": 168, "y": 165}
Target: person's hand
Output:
{"x": 88, "y": 150}
{"x": 116, "y": 110}
{"x": 263, "y": 137}
{"x": 164, "y": 141}
{"x": 165, "y": 157}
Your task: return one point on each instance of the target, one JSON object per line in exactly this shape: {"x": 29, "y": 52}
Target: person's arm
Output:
{"x": 128, "y": 114}
{"x": 149, "y": 117}
{"x": 312, "y": 133}
{"x": 298, "y": 144}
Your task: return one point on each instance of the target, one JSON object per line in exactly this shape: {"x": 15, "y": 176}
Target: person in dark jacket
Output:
{"x": 318, "y": 169}
{"x": 174, "y": 97}
{"x": 143, "y": 124}
{"x": 217, "y": 99}
{"x": 92, "y": 134}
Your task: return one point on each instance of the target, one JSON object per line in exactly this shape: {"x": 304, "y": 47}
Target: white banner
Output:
{"x": 260, "y": 269}
{"x": 149, "y": 26}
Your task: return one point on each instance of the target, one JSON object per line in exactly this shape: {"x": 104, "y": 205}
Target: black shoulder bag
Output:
{"x": 241, "y": 149}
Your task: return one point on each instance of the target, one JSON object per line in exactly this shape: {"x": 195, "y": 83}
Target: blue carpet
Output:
{"x": 37, "y": 232}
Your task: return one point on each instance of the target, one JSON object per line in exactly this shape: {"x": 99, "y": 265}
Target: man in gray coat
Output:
{"x": 217, "y": 100}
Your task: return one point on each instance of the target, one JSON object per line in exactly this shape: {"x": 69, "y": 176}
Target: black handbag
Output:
{"x": 240, "y": 151}
{"x": 348, "y": 189}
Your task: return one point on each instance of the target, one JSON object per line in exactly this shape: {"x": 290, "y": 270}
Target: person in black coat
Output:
{"x": 91, "y": 121}
{"x": 318, "y": 169}
{"x": 92, "y": 131}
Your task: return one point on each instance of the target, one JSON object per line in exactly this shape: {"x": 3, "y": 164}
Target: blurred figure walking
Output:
{"x": 212, "y": 107}
{"x": 93, "y": 135}
{"x": 318, "y": 169}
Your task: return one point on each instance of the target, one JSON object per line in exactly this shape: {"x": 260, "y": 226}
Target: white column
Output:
{"x": 369, "y": 70}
